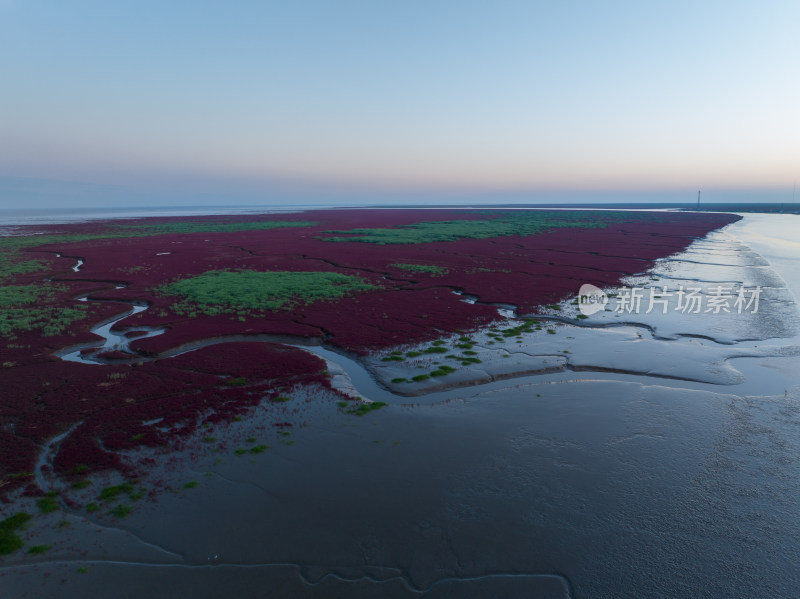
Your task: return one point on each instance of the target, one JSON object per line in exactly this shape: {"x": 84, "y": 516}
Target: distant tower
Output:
{"x": 698, "y": 199}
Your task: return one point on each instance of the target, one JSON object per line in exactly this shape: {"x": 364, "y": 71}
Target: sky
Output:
{"x": 373, "y": 101}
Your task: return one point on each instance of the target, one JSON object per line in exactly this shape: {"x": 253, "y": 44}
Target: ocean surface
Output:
{"x": 20, "y": 217}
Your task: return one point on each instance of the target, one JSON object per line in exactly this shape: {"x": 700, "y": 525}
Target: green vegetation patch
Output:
{"x": 392, "y": 359}
{"x": 443, "y": 370}
{"x": 115, "y": 491}
{"x": 29, "y": 307}
{"x": 425, "y": 268}
{"x": 121, "y": 511}
{"x": 11, "y": 268}
{"x": 48, "y": 503}
{"x": 11, "y": 260}
{"x": 221, "y": 289}
{"x": 497, "y": 224}
{"x": 207, "y": 227}
{"x": 366, "y": 408}
{"x": 9, "y": 540}
{"x": 526, "y": 327}
{"x": 436, "y": 349}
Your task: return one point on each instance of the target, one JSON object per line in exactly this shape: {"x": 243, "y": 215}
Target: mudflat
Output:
{"x": 385, "y": 403}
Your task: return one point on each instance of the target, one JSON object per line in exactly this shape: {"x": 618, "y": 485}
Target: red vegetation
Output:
{"x": 118, "y": 404}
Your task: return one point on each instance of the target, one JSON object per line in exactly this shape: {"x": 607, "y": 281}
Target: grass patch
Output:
{"x": 420, "y": 377}
{"x": 413, "y": 354}
{"x": 9, "y": 540}
{"x": 443, "y": 370}
{"x": 436, "y": 349}
{"x": 114, "y": 491}
{"x": 207, "y": 227}
{"x": 527, "y": 326}
{"x": 496, "y": 224}
{"x": 259, "y": 449}
{"x": 37, "y": 549}
{"x": 425, "y": 268}
{"x": 48, "y": 503}
{"x": 400, "y": 379}
{"x": 366, "y": 408}
{"x": 219, "y": 291}
{"x": 92, "y": 507}
{"x": 467, "y": 360}
{"x": 192, "y": 484}
{"x": 81, "y": 484}
{"x": 121, "y": 511}
{"x": 392, "y": 359}
{"x": 281, "y": 398}
{"x": 32, "y": 307}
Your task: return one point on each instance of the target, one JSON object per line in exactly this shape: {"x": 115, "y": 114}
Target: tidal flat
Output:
{"x": 257, "y": 443}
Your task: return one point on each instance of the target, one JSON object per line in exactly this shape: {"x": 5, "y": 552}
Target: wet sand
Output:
{"x": 613, "y": 488}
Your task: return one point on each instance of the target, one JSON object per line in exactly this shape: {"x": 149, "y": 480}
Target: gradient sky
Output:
{"x": 271, "y": 101}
